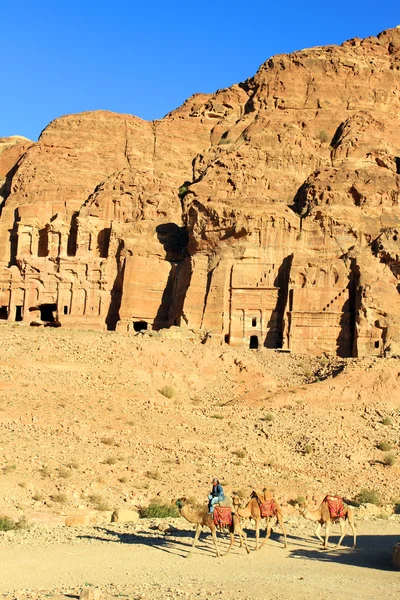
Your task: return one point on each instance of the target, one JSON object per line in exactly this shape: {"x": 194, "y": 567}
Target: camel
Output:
{"x": 322, "y": 516}
{"x": 252, "y": 510}
{"x": 202, "y": 518}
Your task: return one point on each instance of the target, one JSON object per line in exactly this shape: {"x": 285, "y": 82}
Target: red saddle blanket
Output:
{"x": 268, "y": 508}
{"x": 336, "y": 506}
{"x": 222, "y": 516}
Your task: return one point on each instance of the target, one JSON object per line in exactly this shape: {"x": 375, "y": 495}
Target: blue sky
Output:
{"x": 145, "y": 58}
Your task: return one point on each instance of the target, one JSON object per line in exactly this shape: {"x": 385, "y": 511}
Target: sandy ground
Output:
{"x": 144, "y": 565}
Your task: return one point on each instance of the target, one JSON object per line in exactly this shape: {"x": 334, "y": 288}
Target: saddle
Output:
{"x": 268, "y": 508}
{"x": 222, "y": 516}
{"x": 336, "y": 507}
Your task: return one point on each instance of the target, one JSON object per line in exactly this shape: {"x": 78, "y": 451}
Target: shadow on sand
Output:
{"x": 372, "y": 552}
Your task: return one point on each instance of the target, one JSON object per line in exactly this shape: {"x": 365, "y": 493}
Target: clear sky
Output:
{"x": 145, "y": 58}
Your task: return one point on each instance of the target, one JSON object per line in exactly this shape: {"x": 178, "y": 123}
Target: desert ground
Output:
{"x": 93, "y": 421}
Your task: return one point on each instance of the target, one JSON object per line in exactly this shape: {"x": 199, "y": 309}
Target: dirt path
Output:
{"x": 147, "y": 566}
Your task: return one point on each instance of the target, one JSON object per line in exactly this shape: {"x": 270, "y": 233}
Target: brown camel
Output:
{"x": 201, "y": 518}
{"x": 252, "y": 510}
{"x": 322, "y": 516}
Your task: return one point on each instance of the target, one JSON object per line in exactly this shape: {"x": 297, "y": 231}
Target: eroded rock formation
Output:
{"x": 266, "y": 214}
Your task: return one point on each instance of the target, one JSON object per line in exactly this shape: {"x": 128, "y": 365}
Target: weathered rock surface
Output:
{"x": 267, "y": 213}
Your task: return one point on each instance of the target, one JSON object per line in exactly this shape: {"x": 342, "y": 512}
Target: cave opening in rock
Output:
{"x": 4, "y": 313}
{"x": 140, "y": 325}
{"x": 18, "y": 313}
{"x": 46, "y": 312}
{"x": 253, "y": 342}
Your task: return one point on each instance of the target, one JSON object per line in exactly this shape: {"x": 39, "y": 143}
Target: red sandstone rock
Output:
{"x": 266, "y": 213}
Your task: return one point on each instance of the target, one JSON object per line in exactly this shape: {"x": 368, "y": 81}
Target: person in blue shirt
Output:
{"x": 217, "y": 495}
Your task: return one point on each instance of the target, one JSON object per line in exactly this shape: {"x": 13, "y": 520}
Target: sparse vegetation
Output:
{"x": 167, "y": 391}
{"x": 389, "y": 459}
{"x": 45, "y": 471}
{"x": 387, "y": 421}
{"x": 108, "y": 441}
{"x": 37, "y": 497}
{"x": 216, "y": 416}
{"x": 300, "y": 500}
{"x": 157, "y": 509}
{"x": 9, "y": 469}
{"x": 269, "y": 417}
{"x": 123, "y": 479}
{"x": 384, "y": 446}
{"x": 60, "y": 498}
{"x": 99, "y": 503}
{"x": 323, "y": 136}
{"x": 64, "y": 472}
{"x": 6, "y": 523}
{"x": 368, "y": 496}
{"x": 153, "y": 475}
{"x": 308, "y": 449}
{"x": 110, "y": 460}
{"x": 239, "y": 453}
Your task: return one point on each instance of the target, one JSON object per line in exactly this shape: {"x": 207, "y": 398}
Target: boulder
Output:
{"x": 124, "y": 515}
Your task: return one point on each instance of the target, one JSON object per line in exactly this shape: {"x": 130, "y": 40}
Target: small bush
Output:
{"x": 323, "y": 136}
{"x": 60, "y": 498}
{"x": 37, "y": 497}
{"x": 300, "y": 500}
{"x": 111, "y": 460}
{"x": 9, "y": 469}
{"x": 308, "y": 449}
{"x": 72, "y": 465}
{"x": 153, "y": 475}
{"x": 269, "y": 417}
{"x": 167, "y": 391}
{"x": 45, "y": 471}
{"x": 108, "y": 441}
{"x": 123, "y": 479}
{"x": 64, "y": 473}
{"x": 22, "y": 484}
{"x": 368, "y": 496}
{"x": 239, "y": 453}
{"x": 217, "y": 416}
{"x": 22, "y": 524}
{"x": 6, "y": 523}
{"x": 387, "y": 421}
{"x": 158, "y": 509}
{"x": 389, "y": 460}
{"x": 384, "y": 446}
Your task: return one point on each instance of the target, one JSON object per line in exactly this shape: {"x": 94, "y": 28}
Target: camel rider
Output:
{"x": 217, "y": 495}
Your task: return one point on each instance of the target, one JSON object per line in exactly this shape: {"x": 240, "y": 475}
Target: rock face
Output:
{"x": 267, "y": 213}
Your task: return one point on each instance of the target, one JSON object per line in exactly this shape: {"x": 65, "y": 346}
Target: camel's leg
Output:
{"x": 243, "y": 536}
{"x": 352, "y": 527}
{"x": 317, "y": 533}
{"x": 281, "y": 523}
{"x": 196, "y": 537}
{"x": 342, "y": 532}
{"x": 268, "y": 530}
{"x": 214, "y": 536}
{"x": 258, "y": 522}
{"x": 232, "y": 536}
{"x": 327, "y": 531}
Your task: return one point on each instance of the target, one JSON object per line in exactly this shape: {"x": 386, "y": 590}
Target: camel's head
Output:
{"x": 180, "y": 503}
{"x": 255, "y": 495}
{"x": 236, "y": 501}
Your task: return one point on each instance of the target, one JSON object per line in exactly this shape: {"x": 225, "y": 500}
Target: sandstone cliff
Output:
{"x": 266, "y": 213}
